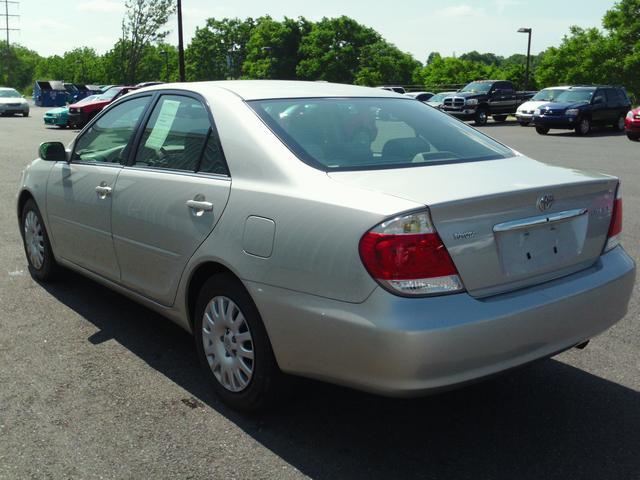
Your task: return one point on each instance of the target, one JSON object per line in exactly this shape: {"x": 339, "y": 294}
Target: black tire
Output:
{"x": 524, "y": 124}
{"x": 267, "y": 383}
{"x": 48, "y": 268}
{"x": 619, "y": 125}
{"x": 26, "y": 114}
{"x": 542, "y": 130}
{"x": 500, "y": 118}
{"x": 583, "y": 126}
{"x": 481, "y": 117}
{"x": 634, "y": 137}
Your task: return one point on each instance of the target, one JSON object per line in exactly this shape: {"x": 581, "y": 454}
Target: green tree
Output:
{"x": 623, "y": 24}
{"x": 218, "y": 50}
{"x": 273, "y": 48}
{"x": 382, "y": 63}
{"x": 584, "y": 56}
{"x": 142, "y": 26}
{"x": 17, "y": 66}
{"x": 331, "y": 50}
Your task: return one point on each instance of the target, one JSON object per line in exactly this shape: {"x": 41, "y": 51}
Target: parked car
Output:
{"x": 394, "y": 89}
{"x": 60, "y": 116}
{"x": 437, "y": 100}
{"x": 80, "y": 113}
{"x": 330, "y": 243}
{"x": 579, "y": 108}
{"x": 478, "y": 101}
{"x": 422, "y": 96}
{"x": 525, "y": 112}
{"x": 12, "y": 102}
{"x": 632, "y": 124}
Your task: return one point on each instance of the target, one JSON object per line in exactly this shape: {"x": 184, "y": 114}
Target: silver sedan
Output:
{"x": 329, "y": 231}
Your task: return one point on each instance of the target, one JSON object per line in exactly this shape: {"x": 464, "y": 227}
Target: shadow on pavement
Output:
{"x": 547, "y": 421}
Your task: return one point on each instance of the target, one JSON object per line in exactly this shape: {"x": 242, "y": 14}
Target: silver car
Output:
{"x": 12, "y": 102}
{"x": 329, "y": 231}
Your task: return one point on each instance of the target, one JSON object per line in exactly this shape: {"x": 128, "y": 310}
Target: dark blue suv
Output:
{"x": 579, "y": 108}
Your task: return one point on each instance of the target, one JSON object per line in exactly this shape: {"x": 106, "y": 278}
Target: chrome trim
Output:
{"x": 539, "y": 220}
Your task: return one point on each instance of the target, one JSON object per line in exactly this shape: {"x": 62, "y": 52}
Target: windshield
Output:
{"x": 477, "y": 87}
{"x": 439, "y": 97}
{"x": 88, "y": 99}
{"x": 371, "y": 133}
{"x": 9, "y": 93}
{"x": 547, "y": 95}
{"x": 109, "y": 94}
{"x": 573, "y": 96}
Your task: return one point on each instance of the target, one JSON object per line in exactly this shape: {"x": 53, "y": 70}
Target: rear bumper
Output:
{"x": 413, "y": 346}
{"x": 562, "y": 121}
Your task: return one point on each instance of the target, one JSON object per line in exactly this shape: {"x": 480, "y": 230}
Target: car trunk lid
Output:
{"x": 507, "y": 223}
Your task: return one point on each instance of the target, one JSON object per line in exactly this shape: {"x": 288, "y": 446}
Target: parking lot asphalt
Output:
{"x": 94, "y": 386}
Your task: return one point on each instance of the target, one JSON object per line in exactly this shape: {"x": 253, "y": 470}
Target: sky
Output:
{"x": 418, "y": 27}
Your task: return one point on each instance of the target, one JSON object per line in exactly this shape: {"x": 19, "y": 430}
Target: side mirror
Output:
{"x": 52, "y": 152}
{"x": 598, "y": 101}
{"x": 496, "y": 91}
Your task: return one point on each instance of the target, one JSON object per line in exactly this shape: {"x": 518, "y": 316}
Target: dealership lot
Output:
{"x": 92, "y": 385}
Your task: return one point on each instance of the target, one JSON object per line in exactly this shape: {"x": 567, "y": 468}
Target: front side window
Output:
{"x": 107, "y": 138}
{"x": 370, "y": 133}
{"x": 176, "y": 136}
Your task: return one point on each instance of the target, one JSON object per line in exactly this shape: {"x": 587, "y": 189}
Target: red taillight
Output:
{"x": 406, "y": 255}
{"x": 616, "y": 219}
{"x": 615, "y": 227}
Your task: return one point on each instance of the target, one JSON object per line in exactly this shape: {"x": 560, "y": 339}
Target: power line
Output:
{"x": 7, "y": 17}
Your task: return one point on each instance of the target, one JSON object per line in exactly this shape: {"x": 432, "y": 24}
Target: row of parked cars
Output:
{"x": 569, "y": 107}
{"x": 78, "y": 114}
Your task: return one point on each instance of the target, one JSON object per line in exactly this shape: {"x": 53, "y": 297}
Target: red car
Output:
{"x": 632, "y": 124}
{"x": 81, "y": 113}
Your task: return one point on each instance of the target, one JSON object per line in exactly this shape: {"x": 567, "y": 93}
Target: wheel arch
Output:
{"x": 23, "y": 197}
{"x": 197, "y": 279}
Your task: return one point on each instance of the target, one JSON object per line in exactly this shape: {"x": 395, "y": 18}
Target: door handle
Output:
{"x": 199, "y": 206}
{"x": 103, "y": 191}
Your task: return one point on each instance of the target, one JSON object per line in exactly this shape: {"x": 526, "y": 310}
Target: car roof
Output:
{"x": 274, "y": 89}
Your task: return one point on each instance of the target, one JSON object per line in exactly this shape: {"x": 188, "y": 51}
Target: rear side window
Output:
{"x": 176, "y": 135}
{"x": 372, "y": 133}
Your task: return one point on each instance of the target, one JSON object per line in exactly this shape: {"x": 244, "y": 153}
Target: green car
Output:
{"x": 60, "y": 116}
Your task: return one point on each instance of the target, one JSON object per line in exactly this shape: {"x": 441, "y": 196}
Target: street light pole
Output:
{"x": 165, "y": 54}
{"x": 180, "y": 43}
{"x": 528, "y": 31}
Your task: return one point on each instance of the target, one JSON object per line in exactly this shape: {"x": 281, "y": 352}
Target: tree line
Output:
{"x": 333, "y": 49}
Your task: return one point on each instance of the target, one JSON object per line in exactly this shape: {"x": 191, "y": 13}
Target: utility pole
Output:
{"x": 8, "y": 29}
{"x": 180, "y": 43}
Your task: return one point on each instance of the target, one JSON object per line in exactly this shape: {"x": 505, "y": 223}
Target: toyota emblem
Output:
{"x": 545, "y": 202}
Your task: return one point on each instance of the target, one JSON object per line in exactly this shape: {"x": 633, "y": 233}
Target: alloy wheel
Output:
{"x": 228, "y": 344}
{"x": 34, "y": 239}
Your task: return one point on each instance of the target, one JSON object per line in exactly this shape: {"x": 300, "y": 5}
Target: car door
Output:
{"x": 170, "y": 197}
{"x": 599, "y": 107}
{"x": 79, "y": 192}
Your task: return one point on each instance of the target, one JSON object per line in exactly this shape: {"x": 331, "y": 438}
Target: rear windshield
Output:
{"x": 372, "y": 133}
